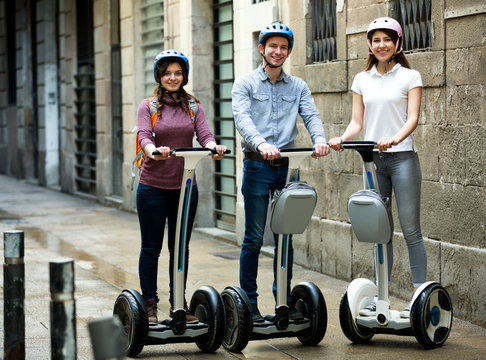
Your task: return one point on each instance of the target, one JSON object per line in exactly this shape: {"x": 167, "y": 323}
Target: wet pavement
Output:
{"x": 104, "y": 243}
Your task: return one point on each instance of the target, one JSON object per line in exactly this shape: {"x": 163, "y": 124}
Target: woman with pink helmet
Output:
{"x": 386, "y": 104}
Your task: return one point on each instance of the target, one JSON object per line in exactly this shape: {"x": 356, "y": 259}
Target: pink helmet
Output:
{"x": 386, "y": 23}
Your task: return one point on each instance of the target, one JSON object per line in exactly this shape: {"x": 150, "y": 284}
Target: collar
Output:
{"x": 374, "y": 71}
{"x": 169, "y": 100}
{"x": 264, "y": 76}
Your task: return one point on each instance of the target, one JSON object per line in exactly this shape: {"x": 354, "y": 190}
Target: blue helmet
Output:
{"x": 276, "y": 29}
{"x": 170, "y": 55}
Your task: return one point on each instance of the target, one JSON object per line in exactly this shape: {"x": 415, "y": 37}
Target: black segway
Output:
{"x": 431, "y": 312}
{"x": 206, "y": 303}
{"x": 290, "y": 214}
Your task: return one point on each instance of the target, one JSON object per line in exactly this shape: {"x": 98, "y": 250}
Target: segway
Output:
{"x": 290, "y": 214}
{"x": 431, "y": 311}
{"x": 206, "y": 303}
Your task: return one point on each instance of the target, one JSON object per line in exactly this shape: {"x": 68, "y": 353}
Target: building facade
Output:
{"x": 73, "y": 72}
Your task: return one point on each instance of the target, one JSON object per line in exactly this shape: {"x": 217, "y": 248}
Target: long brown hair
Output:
{"x": 160, "y": 92}
{"x": 399, "y": 58}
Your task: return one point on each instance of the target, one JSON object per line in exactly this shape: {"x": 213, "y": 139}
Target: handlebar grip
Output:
{"x": 213, "y": 151}
{"x": 156, "y": 152}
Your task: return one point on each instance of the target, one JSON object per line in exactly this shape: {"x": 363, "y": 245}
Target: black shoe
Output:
{"x": 257, "y": 317}
{"x": 295, "y": 314}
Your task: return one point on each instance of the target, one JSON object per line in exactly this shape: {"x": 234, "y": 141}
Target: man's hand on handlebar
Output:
{"x": 320, "y": 149}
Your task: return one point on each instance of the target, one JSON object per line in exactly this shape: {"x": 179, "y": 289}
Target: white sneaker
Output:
{"x": 406, "y": 312}
{"x": 369, "y": 310}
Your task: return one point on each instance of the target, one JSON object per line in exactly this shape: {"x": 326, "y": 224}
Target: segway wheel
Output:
{"x": 431, "y": 316}
{"x": 134, "y": 321}
{"x": 237, "y": 319}
{"x": 308, "y": 299}
{"x": 354, "y": 332}
{"x": 207, "y": 306}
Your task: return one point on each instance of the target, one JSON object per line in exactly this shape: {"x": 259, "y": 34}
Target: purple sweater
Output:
{"x": 174, "y": 129}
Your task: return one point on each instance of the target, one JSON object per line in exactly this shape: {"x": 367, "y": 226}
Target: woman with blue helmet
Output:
{"x": 161, "y": 175}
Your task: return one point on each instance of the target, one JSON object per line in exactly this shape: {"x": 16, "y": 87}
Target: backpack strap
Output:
{"x": 152, "y": 104}
{"x": 193, "y": 108}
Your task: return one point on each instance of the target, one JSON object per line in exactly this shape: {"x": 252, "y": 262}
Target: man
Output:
{"x": 266, "y": 103}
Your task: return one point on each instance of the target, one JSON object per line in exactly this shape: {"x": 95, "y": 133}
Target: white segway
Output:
{"x": 291, "y": 211}
{"x": 206, "y": 303}
{"x": 431, "y": 311}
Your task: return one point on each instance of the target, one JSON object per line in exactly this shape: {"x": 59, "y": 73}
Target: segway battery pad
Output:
{"x": 370, "y": 217}
{"x": 292, "y": 208}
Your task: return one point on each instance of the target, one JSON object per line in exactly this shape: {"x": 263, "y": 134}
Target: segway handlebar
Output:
{"x": 365, "y": 148}
{"x": 186, "y": 149}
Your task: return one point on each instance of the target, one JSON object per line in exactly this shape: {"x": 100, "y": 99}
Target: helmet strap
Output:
{"x": 268, "y": 62}
{"x": 170, "y": 93}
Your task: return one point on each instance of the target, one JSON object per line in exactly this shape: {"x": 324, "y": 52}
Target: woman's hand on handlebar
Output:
{"x": 335, "y": 143}
{"x": 220, "y": 149}
{"x": 385, "y": 143}
{"x": 164, "y": 153}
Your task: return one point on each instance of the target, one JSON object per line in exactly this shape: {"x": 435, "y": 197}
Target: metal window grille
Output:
{"x": 415, "y": 18}
{"x": 116, "y": 100}
{"x": 85, "y": 123}
{"x": 11, "y": 52}
{"x": 324, "y": 30}
{"x": 225, "y": 175}
{"x": 152, "y": 38}
{"x": 85, "y": 129}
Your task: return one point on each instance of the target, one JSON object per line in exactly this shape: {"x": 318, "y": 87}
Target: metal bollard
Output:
{"x": 62, "y": 309}
{"x": 14, "y": 295}
{"x": 106, "y": 338}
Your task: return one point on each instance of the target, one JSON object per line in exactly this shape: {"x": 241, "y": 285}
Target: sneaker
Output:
{"x": 295, "y": 314}
{"x": 369, "y": 310}
{"x": 406, "y": 312}
{"x": 151, "y": 311}
{"x": 257, "y": 317}
{"x": 190, "y": 319}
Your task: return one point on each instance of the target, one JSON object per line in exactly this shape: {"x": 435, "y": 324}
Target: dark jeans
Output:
{"x": 154, "y": 206}
{"x": 259, "y": 181}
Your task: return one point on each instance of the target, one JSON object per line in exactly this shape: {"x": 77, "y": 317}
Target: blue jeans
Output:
{"x": 260, "y": 180}
{"x": 154, "y": 207}
{"x": 401, "y": 172}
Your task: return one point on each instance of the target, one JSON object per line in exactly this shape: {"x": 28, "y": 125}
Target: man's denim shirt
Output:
{"x": 266, "y": 112}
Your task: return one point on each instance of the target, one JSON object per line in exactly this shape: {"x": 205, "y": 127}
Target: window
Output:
{"x": 415, "y": 18}
{"x": 323, "y": 30}
{"x": 225, "y": 178}
{"x": 152, "y": 39}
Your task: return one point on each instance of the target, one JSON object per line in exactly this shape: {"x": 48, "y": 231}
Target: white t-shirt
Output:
{"x": 385, "y": 99}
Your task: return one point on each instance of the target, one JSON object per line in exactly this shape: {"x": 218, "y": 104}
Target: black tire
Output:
{"x": 354, "y": 332}
{"x": 238, "y": 321}
{"x": 134, "y": 321}
{"x": 431, "y": 316}
{"x": 309, "y": 300}
{"x": 207, "y": 306}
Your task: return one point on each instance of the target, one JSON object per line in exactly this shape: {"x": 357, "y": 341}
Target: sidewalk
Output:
{"x": 104, "y": 243}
